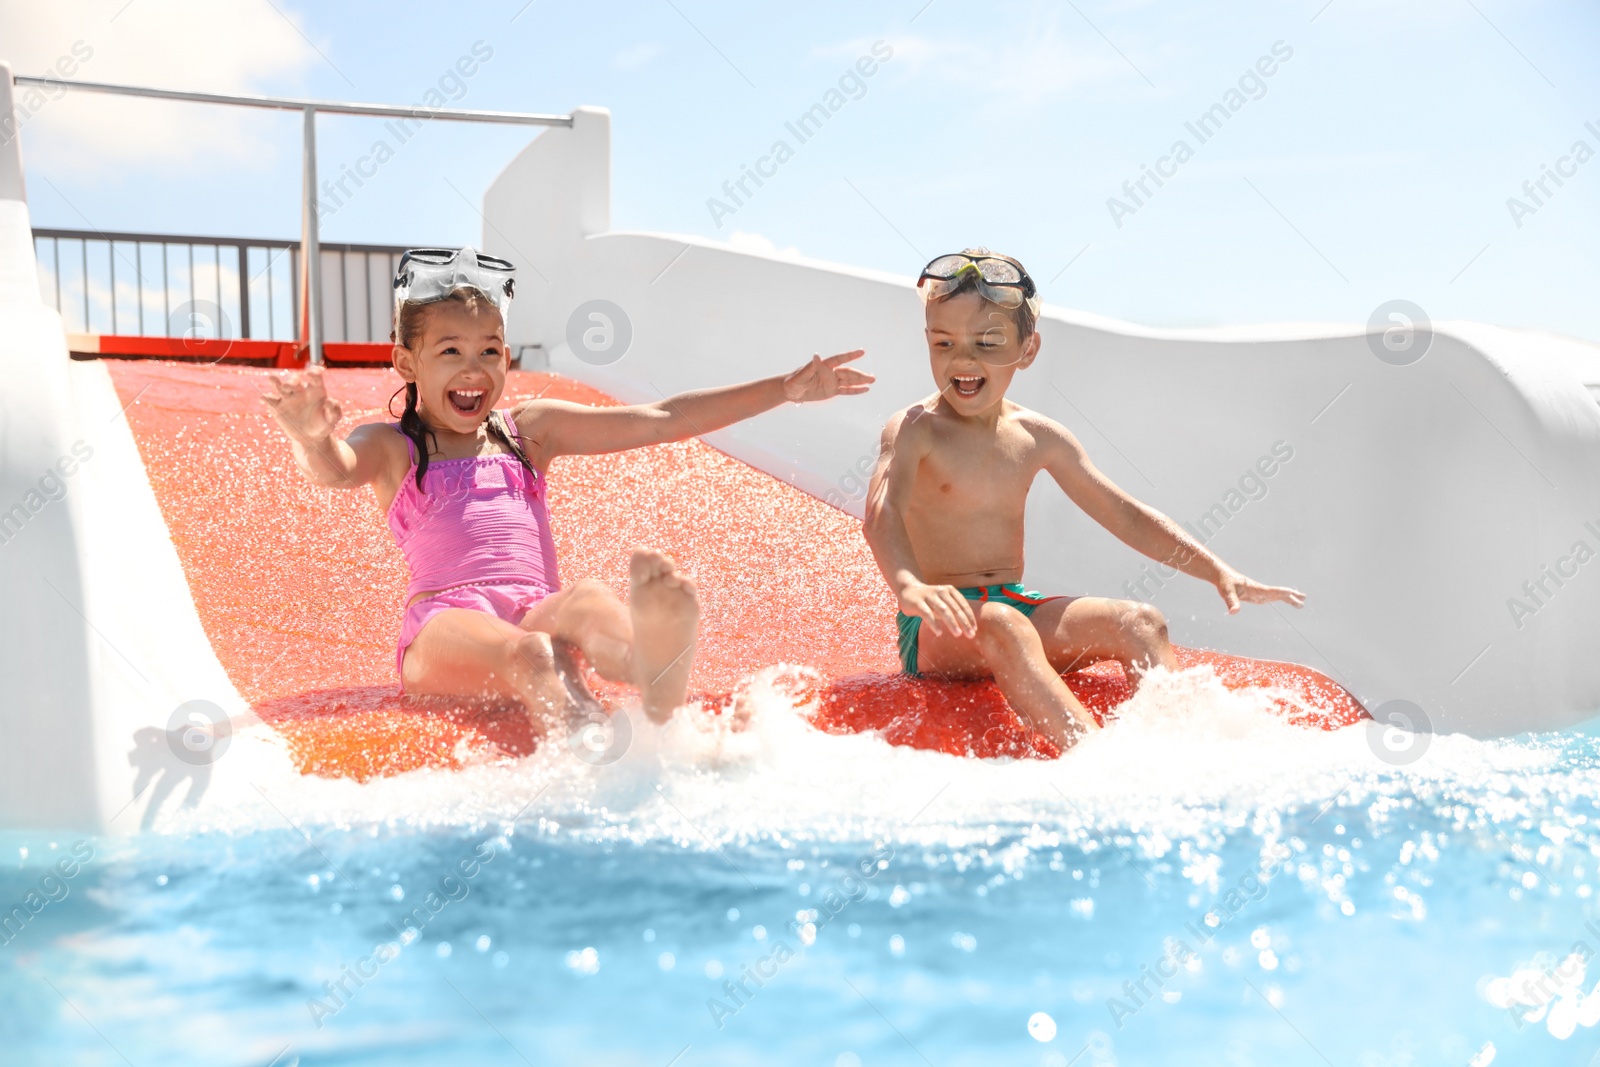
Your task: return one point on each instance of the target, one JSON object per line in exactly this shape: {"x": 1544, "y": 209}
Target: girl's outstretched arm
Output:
{"x": 563, "y": 428}
{"x": 308, "y": 416}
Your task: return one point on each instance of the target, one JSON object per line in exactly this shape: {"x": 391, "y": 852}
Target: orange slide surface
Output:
{"x": 301, "y": 589}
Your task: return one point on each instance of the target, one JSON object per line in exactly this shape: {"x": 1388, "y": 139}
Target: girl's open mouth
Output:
{"x": 466, "y": 401}
{"x": 967, "y": 384}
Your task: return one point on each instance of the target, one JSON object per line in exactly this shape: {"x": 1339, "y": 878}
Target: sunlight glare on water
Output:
{"x": 1199, "y": 875}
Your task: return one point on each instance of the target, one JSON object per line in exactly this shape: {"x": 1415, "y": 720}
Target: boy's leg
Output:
{"x": 460, "y": 652}
{"x": 649, "y": 642}
{"x": 1079, "y": 631}
{"x": 1012, "y": 650}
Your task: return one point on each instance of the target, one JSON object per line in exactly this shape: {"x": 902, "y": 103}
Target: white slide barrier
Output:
{"x": 1443, "y": 516}
{"x": 102, "y": 645}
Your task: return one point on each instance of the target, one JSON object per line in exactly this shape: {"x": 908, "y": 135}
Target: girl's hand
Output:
{"x": 1235, "y": 587}
{"x": 941, "y": 607}
{"x": 301, "y": 405}
{"x": 822, "y": 378}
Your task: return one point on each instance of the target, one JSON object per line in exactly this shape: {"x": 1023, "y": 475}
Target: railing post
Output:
{"x": 244, "y": 292}
{"x": 310, "y": 249}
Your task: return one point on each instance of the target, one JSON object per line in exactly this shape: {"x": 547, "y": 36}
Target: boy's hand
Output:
{"x": 302, "y": 406}
{"x": 823, "y": 378}
{"x": 1236, "y": 588}
{"x": 941, "y": 607}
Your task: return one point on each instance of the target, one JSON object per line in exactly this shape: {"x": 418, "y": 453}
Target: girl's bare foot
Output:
{"x": 665, "y": 607}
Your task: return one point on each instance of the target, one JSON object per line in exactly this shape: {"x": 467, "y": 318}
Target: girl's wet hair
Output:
{"x": 408, "y": 334}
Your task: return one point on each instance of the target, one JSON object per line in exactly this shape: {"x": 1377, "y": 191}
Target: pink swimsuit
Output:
{"x": 477, "y": 536}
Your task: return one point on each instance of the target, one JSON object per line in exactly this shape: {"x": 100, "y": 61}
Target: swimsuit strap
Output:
{"x": 411, "y": 446}
{"x": 513, "y": 438}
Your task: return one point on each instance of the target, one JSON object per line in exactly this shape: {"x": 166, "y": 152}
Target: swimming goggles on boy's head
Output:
{"x": 998, "y": 279}
{"x": 429, "y": 274}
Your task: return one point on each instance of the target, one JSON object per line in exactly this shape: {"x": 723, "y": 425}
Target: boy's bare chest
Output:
{"x": 993, "y": 478}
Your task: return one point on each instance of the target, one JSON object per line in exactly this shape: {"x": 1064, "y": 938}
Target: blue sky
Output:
{"x": 1374, "y": 163}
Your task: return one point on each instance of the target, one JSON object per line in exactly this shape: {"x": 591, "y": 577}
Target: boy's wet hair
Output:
{"x": 1025, "y": 317}
{"x": 408, "y": 334}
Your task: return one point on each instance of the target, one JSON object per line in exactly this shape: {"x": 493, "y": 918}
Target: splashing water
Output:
{"x": 1198, "y": 883}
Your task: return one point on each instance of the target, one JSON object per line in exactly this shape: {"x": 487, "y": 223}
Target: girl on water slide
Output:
{"x": 463, "y": 486}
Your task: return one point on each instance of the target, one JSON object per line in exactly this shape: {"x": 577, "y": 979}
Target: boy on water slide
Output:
{"x": 944, "y": 514}
{"x": 463, "y": 489}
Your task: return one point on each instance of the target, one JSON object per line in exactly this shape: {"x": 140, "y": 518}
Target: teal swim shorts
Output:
{"x": 910, "y": 626}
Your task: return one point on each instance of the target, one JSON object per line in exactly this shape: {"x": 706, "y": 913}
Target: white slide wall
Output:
{"x": 101, "y": 643}
{"x": 1411, "y": 503}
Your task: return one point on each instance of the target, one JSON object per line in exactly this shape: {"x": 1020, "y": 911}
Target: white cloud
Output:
{"x": 636, "y": 56}
{"x": 1019, "y": 66}
{"x": 202, "y": 45}
{"x": 755, "y": 242}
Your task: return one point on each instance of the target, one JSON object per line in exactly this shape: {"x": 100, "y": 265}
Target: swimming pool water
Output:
{"x": 1200, "y": 884}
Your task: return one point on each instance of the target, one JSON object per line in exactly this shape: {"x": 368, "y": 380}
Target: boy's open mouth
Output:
{"x": 967, "y": 384}
{"x": 466, "y": 401}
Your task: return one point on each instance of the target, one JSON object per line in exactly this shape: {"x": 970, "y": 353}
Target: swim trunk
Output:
{"x": 1012, "y": 595}
{"x": 509, "y": 601}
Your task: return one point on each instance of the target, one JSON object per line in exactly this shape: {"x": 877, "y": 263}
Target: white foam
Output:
{"x": 1187, "y": 761}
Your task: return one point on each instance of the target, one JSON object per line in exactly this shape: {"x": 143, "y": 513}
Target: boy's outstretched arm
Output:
{"x": 308, "y": 417}
{"x": 942, "y": 607}
{"x": 563, "y": 428}
{"x": 1145, "y": 529}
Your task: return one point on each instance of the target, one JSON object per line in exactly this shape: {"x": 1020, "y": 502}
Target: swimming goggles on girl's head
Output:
{"x": 998, "y": 279}
{"x": 428, "y": 274}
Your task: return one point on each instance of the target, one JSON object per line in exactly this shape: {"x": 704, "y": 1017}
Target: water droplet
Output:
{"x": 586, "y": 961}
{"x": 1041, "y": 1027}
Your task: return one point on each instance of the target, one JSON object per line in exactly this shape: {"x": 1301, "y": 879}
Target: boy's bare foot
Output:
{"x": 666, "y": 618}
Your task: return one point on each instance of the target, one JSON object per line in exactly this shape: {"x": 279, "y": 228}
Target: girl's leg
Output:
{"x": 460, "y": 652}
{"x": 588, "y": 614}
{"x": 648, "y": 642}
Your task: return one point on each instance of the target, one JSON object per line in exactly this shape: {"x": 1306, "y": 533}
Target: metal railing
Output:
{"x": 308, "y": 310}
{"x": 210, "y": 288}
